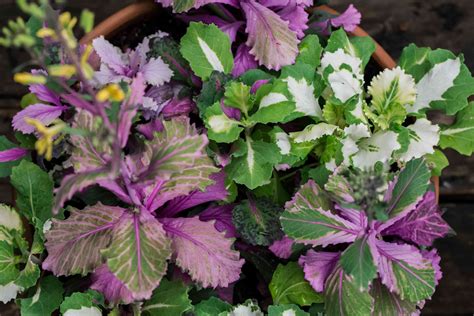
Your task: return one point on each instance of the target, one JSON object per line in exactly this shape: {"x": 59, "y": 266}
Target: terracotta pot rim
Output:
{"x": 133, "y": 12}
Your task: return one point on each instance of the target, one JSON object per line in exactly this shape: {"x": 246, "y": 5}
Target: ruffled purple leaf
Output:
{"x": 45, "y": 94}
{"x": 205, "y": 253}
{"x": 243, "y": 60}
{"x": 282, "y": 248}
{"x": 46, "y": 114}
{"x": 317, "y": 266}
{"x": 149, "y": 129}
{"x": 183, "y": 6}
{"x": 214, "y": 192}
{"x": 257, "y": 84}
{"x": 13, "y": 154}
{"x": 295, "y": 13}
{"x": 222, "y": 217}
{"x": 177, "y": 107}
{"x": 433, "y": 256}
{"x": 104, "y": 281}
{"x": 422, "y": 225}
{"x": 349, "y": 19}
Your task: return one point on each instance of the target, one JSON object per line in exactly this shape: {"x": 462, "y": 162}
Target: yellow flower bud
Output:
{"x": 65, "y": 71}
{"x": 44, "y": 144}
{"x": 46, "y": 32}
{"x": 28, "y": 78}
{"x": 111, "y": 92}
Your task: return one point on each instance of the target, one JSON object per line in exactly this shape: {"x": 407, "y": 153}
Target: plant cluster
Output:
{"x": 246, "y": 167}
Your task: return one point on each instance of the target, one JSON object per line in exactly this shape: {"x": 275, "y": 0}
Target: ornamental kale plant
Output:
{"x": 203, "y": 172}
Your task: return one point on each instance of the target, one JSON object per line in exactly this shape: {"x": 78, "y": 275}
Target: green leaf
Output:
{"x": 29, "y": 275}
{"x": 6, "y": 167}
{"x": 10, "y": 222}
{"x": 343, "y": 297}
{"x": 310, "y": 51}
{"x": 443, "y": 80}
{"x": 46, "y": 299}
{"x": 412, "y": 184}
{"x": 8, "y": 268}
{"x": 361, "y": 47}
{"x": 211, "y": 307}
{"x": 86, "y": 303}
{"x": 274, "y": 103}
{"x": 257, "y": 221}
{"x": 237, "y": 95}
{"x": 169, "y": 299}
{"x": 252, "y": 163}
{"x": 207, "y": 49}
{"x": 437, "y": 161}
{"x": 288, "y": 286}
{"x": 460, "y": 135}
{"x": 34, "y": 189}
{"x": 253, "y": 75}
{"x": 143, "y": 247}
{"x": 221, "y": 128}
{"x": 388, "y": 303}
{"x": 87, "y": 20}
{"x": 212, "y": 91}
{"x": 286, "y": 310}
{"x": 358, "y": 262}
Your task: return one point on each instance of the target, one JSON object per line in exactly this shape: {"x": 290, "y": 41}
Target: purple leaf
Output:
{"x": 243, "y": 60}
{"x": 422, "y": 225}
{"x": 46, "y": 114}
{"x": 282, "y": 248}
{"x": 214, "y": 192}
{"x": 113, "y": 289}
{"x": 232, "y": 113}
{"x": 317, "y": 266}
{"x": 435, "y": 259}
{"x": 109, "y": 54}
{"x": 177, "y": 107}
{"x": 129, "y": 109}
{"x": 85, "y": 231}
{"x": 203, "y": 252}
{"x": 296, "y": 15}
{"x": 156, "y": 72}
{"x": 273, "y": 43}
{"x": 45, "y": 94}
{"x": 150, "y": 128}
{"x": 222, "y": 217}
{"x": 349, "y": 19}
{"x": 193, "y": 4}
{"x": 257, "y": 84}
{"x": 13, "y": 154}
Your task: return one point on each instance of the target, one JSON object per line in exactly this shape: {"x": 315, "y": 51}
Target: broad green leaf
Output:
{"x": 86, "y": 303}
{"x": 437, "y": 161}
{"x": 387, "y": 303}
{"x": 211, "y": 307}
{"x": 257, "y": 221}
{"x": 460, "y": 135}
{"x": 288, "y": 286}
{"x": 87, "y": 230}
{"x": 8, "y": 269}
{"x": 253, "y": 75}
{"x": 87, "y": 20}
{"x": 237, "y": 95}
{"x": 412, "y": 183}
{"x": 252, "y": 163}
{"x": 358, "y": 262}
{"x": 286, "y": 310}
{"x": 169, "y": 299}
{"x": 6, "y": 167}
{"x": 46, "y": 299}
{"x": 29, "y": 275}
{"x": 310, "y": 51}
{"x": 274, "y": 103}
{"x": 343, "y": 297}
{"x": 361, "y": 47}
{"x": 220, "y": 127}
{"x": 212, "y": 91}
{"x": 138, "y": 254}
{"x": 207, "y": 49}
{"x": 34, "y": 189}
{"x": 443, "y": 80}
{"x": 313, "y": 132}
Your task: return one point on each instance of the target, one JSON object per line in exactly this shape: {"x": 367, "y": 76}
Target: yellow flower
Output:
{"x": 111, "y": 92}
{"x": 28, "y": 78}
{"x": 86, "y": 68}
{"x": 67, "y": 21}
{"x": 44, "y": 144}
{"x": 66, "y": 71}
{"x": 46, "y": 32}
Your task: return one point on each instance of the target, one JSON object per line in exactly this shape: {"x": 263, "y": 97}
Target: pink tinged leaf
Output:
{"x": 108, "y": 284}
{"x": 75, "y": 183}
{"x": 117, "y": 189}
{"x": 150, "y": 128}
{"x": 258, "y": 84}
{"x": 296, "y": 15}
{"x": 317, "y": 266}
{"x": 222, "y": 217}
{"x": 177, "y": 107}
{"x": 138, "y": 254}
{"x": 107, "y": 75}
{"x": 433, "y": 256}
{"x": 244, "y": 61}
{"x": 74, "y": 244}
{"x": 13, "y": 154}
{"x": 273, "y": 43}
{"x": 349, "y": 19}
{"x": 77, "y": 101}
{"x": 46, "y": 114}
{"x": 156, "y": 72}
{"x": 230, "y": 28}
{"x": 203, "y": 252}
{"x": 282, "y": 248}
{"x": 422, "y": 225}
{"x": 110, "y": 55}
{"x": 129, "y": 109}
{"x": 357, "y": 217}
{"x": 231, "y": 112}
{"x": 45, "y": 94}
{"x": 214, "y": 192}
